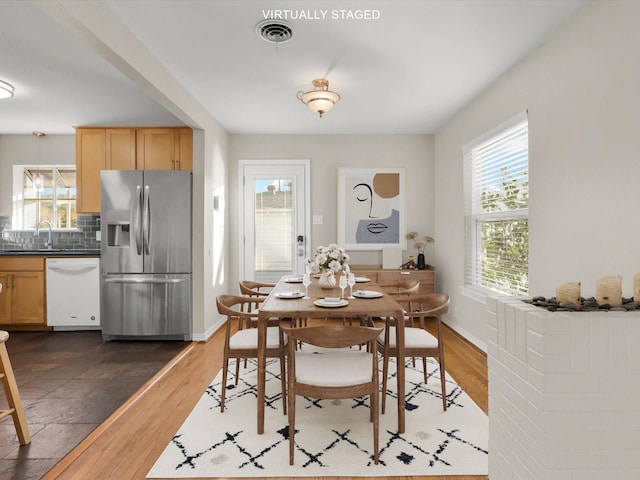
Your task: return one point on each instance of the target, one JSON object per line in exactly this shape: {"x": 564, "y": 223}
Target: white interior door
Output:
{"x": 275, "y": 197}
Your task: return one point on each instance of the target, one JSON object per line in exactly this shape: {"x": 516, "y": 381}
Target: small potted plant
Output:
{"x": 420, "y": 246}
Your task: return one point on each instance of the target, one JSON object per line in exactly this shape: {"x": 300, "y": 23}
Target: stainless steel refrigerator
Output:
{"x": 145, "y": 262}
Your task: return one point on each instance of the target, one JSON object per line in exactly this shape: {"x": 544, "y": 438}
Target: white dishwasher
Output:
{"x": 73, "y": 293}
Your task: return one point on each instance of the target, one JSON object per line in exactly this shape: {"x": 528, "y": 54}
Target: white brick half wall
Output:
{"x": 564, "y": 393}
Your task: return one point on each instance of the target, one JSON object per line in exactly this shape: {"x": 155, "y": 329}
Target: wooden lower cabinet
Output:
{"x": 23, "y": 296}
{"x": 427, "y": 277}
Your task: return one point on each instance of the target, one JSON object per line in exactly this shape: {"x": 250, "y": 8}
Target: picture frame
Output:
{"x": 371, "y": 208}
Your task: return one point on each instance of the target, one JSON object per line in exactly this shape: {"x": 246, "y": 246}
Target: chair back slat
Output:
{"x": 332, "y": 336}
{"x": 427, "y": 305}
{"x": 255, "y": 289}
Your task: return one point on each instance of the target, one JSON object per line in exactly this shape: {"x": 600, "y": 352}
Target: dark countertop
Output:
{"x": 51, "y": 253}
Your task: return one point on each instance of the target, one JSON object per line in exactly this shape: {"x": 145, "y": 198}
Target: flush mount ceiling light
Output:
{"x": 6, "y": 90}
{"x": 320, "y": 99}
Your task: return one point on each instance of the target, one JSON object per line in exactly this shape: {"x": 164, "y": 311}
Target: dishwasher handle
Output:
{"x": 78, "y": 267}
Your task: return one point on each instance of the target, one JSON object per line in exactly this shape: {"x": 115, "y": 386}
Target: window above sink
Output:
{"x": 55, "y": 201}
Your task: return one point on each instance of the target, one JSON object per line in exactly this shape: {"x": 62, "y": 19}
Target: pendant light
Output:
{"x": 38, "y": 178}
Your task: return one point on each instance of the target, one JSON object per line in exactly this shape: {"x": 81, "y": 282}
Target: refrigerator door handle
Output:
{"x": 144, "y": 280}
{"x": 136, "y": 220}
{"x": 146, "y": 221}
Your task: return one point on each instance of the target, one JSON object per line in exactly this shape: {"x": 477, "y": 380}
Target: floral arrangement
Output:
{"x": 333, "y": 258}
{"x": 419, "y": 245}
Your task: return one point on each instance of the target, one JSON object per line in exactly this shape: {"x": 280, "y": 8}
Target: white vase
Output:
{"x": 327, "y": 280}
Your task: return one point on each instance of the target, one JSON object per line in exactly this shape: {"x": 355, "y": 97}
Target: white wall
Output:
{"x": 327, "y": 153}
{"x": 581, "y": 91}
{"x": 23, "y": 150}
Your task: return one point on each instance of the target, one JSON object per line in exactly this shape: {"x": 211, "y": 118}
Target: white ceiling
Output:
{"x": 407, "y": 72}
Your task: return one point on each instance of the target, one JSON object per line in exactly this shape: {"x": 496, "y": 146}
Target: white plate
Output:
{"x": 362, "y": 279}
{"x": 284, "y": 295}
{"x": 321, "y": 303}
{"x": 367, "y": 294}
{"x": 293, "y": 280}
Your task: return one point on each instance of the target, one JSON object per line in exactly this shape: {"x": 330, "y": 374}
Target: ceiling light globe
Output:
{"x": 6, "y": 90}
{"x": 321, "y": 99}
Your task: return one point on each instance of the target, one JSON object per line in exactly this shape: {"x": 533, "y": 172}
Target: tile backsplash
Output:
{"x": 84, "y": 238}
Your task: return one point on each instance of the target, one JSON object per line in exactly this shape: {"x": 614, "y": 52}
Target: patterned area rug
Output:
{"x": 333, "y": 437}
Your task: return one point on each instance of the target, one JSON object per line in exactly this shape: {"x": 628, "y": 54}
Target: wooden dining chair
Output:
{"x": 241, "y": 338}
{"x": 261, "y": 289}
{"x": 418, "y": 342}
{"x": 255, "y": 289}
{"x": 401, "y": 288}
{"x": 398, "y": 290}
{"x": 332, "y": 374}
{"x": 8, "y": 380}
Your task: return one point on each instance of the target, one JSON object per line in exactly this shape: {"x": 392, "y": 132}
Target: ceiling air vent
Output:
{"x": 274, "y": 31}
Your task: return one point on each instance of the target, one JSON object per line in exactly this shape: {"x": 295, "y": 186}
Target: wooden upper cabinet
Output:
{"x": 123, "y": 148}
{"x": 91, "y": 157}
{"x": 185, "y": 144}
{"x": 165, "y": 148}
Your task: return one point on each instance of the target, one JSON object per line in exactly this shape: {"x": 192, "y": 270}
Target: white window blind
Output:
{"x": 496, "y": 168}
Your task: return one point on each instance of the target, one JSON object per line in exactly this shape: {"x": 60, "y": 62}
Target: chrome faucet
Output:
{"x": 49, "y": 242}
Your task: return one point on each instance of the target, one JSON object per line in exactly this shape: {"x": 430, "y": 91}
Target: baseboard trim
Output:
{"x": 203, "y": 337}
{"x": 467, "y": 337}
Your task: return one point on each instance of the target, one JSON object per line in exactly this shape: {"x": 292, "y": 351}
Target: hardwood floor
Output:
{"x": 127, "y": 445}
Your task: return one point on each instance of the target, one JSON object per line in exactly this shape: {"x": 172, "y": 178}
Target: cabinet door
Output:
{"x": 184, "y": 152}
{"x": 28, "y": 298}
{"x": 425, "y": 277}
{"x": 90, "y": 159}
{"x": 156, "y": 149}
{"x": 121, "y": 149}
{"x": 5, "y": 298}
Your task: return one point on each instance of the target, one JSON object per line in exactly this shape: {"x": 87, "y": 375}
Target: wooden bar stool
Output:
{"x": 11, "y": 391}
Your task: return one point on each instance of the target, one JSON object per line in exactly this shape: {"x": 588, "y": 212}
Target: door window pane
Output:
{"x": 274, "y": 234}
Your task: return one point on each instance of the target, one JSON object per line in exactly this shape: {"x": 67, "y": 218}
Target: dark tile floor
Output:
{"x": 70, "y": 382}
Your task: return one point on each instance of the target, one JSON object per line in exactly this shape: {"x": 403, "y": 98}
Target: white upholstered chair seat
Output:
{"x": 248, "y": 338}
{"x": 337, "y": 369}
{"x": 413, "y": 338}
